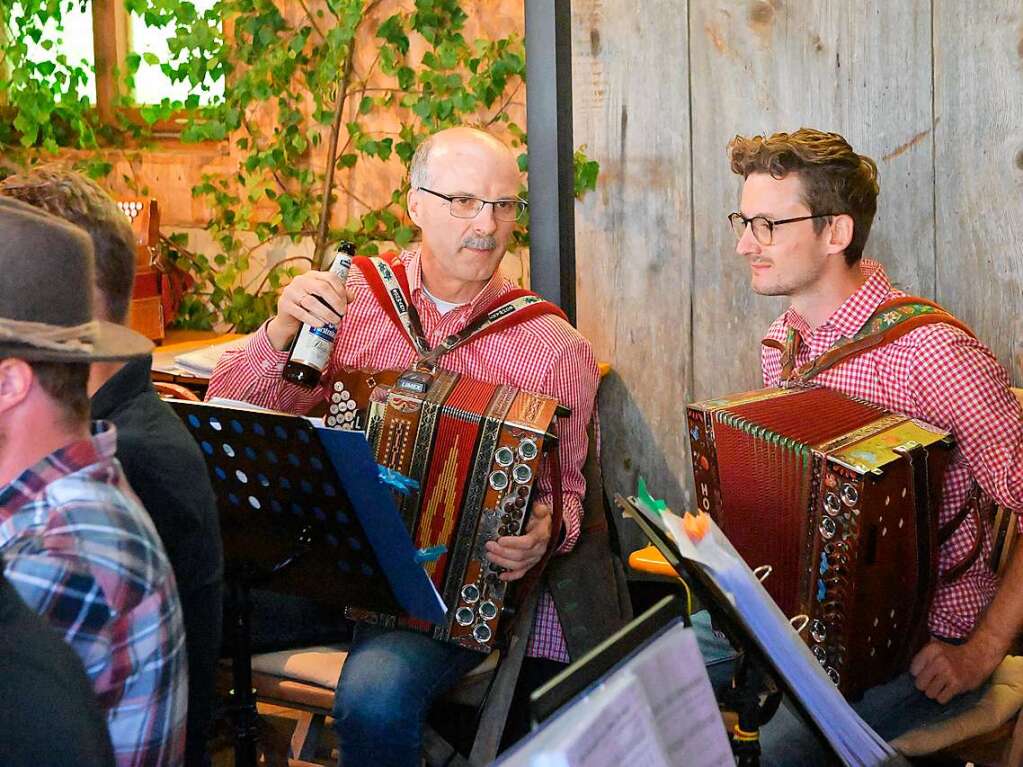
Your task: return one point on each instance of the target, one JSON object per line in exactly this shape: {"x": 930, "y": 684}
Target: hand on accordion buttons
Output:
{"x": 517, "y": 553}
{"x": 944, "y": 670}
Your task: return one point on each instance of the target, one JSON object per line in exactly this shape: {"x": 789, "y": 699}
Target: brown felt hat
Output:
{"x": 46, "y": 279}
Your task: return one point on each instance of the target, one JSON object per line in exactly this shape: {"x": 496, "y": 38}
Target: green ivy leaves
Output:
{"x": 285, "y": 66}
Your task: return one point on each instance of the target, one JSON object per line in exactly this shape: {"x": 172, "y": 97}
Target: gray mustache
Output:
{"x": 480, "y": 243}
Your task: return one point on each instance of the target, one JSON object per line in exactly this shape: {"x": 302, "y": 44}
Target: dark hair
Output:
{"x": 83, "y": 202}
{"x": 834, "y": 178}
{"x": 67, "y": 384}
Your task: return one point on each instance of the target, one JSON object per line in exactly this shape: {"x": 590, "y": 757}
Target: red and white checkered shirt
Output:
{"x": 942, "y": 376}
{"x": 544, "y": 355}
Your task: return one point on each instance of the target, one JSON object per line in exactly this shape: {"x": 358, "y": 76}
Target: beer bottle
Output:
{"x": 311, "y": 348}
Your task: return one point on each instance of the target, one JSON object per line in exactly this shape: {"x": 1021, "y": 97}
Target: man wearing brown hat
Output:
{"x": 78, "y": 547}
{"x": 162, "y": 462}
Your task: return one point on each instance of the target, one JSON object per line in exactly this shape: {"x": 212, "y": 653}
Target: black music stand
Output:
{"x": 302, "y": 511}
{"x": 547, "y": 699}
{"x": 757, "y": 687}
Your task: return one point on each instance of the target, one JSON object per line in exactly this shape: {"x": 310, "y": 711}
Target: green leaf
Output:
{"x": 403, "y": 236}
{"x": 150, "y": 58}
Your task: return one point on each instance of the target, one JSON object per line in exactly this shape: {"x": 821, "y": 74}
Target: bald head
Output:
{"x": 446, "y": 145}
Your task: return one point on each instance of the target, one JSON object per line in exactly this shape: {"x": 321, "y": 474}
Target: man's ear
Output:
{"x": 413, "y": 206}
{"x": 16, "y": 379}
{"x": 841, "y": 233}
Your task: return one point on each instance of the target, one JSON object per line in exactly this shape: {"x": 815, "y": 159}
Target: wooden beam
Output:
{"x": 551, "y": 173}
{"x": 110, "y": 39}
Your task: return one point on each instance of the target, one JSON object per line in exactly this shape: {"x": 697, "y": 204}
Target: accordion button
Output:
{"x": 523, "y": 492}
{"x": 482, "y": 633}
{"x": 522, "y": 473}
{"x": 488, "y": 610}
{"x": 831, "y": 504}
{"x": 520, "y": 502}
{"x": 498, "y": 480}
{"x": 820, "y": 654}
{"x": 504, "y": 456}
{"x": 464, "y": 616}
{"x": 850, "y": 495}
{"x": 833, "y": 673}
{"x": 471, "y": 593}
{"x": 818, "y": 630}
{"x": 527, "y": 449}
{"x": 828, "y": 528}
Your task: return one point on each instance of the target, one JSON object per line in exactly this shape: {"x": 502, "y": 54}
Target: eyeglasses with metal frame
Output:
{"x": 763, "y": 227}
{"x": 466, "y": 206}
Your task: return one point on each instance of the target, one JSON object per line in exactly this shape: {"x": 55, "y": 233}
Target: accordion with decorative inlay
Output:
{"x": 474, "y": 450}
{"x": 839, "y": 498}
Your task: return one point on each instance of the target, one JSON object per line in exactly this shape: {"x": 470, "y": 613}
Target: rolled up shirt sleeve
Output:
{"x": 253, "y": 374}
{"x": 573, "y": 381}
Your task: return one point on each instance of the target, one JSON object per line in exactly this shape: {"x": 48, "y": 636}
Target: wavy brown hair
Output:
{"x": 834, "y": 178}
{"x": 83, "y": 202}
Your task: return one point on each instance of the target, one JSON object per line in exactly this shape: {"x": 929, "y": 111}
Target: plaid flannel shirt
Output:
{"x": 942, "y": 376}
{"x": 543, "y": 355}
{"x": 82, "y": 552}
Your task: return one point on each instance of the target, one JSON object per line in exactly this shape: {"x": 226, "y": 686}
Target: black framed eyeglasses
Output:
{"x": 465, "y": 206}
{"x": 763, "y": 227}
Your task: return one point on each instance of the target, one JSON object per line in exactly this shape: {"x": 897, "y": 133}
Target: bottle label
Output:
{"x": 314, "y": 346}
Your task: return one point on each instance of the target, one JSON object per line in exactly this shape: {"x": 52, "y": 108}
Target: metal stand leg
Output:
{"x": 243, "y": 696}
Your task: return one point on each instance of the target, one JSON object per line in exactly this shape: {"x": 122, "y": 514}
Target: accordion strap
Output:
{"x": 892, "y": 319}
{"x": 532, "y": 578}
{"x": 389, "y": 283}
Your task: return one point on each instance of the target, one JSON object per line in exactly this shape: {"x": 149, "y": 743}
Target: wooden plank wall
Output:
{"x": 931, "y": 89}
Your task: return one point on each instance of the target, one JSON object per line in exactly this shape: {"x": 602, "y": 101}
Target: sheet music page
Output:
{"x": 686, "y": 715}
{"x": 613, "y": 728}
{"x": 853, "y": 740}
{"x": 202, "y": 361}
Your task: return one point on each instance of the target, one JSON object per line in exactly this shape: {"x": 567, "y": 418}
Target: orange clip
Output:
{"x": 696, "y": 525}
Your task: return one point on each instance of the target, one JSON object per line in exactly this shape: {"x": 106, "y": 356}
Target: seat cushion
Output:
{"x": 320, "y": 666}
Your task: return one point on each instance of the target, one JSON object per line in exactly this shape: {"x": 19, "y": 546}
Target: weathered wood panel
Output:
{"x": 633, "y": 235}
{"x": 978, "y": 103}
{"x": 862, "y": 70}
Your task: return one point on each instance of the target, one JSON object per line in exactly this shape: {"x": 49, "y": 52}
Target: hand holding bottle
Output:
{"x": 316, "y": 302}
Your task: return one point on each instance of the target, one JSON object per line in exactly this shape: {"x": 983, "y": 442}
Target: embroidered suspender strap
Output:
{"x": 892, "y": 320}
{"x": 531, "y": 579}
{"x": 389, "y": 284}
{"x": 509, "y": 309}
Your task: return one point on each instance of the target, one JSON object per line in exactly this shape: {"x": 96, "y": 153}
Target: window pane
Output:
{"x": 151, "y": 84}
{"x": 66, "y": 46}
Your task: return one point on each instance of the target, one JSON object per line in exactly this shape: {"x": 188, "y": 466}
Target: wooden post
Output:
{"x": 111, "y": 36}
{"x": 551, "y": 171}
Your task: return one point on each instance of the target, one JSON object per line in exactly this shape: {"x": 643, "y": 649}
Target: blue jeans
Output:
{"x": 891, "y": 708}
{"x": 388, "y": 683}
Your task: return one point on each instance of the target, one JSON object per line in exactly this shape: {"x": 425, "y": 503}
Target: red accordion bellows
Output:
{"x": 776, "y": 482}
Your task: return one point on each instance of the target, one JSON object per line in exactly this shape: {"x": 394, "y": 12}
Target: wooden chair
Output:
{"x": 304, "y": 680}
{"x": 168, "y": 390}
{"x": 1003, "y": 745}
{"x": 146, "y": 313}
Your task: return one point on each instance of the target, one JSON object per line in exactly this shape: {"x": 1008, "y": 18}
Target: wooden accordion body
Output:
{"x": 475, "y": 450}
{"x": 839, "y": 498}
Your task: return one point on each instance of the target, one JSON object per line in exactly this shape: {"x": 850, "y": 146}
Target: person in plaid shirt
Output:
{"x": 808, "y": 201}
{"x": 464, "y": 199}
{"x": 77, "y": 546}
